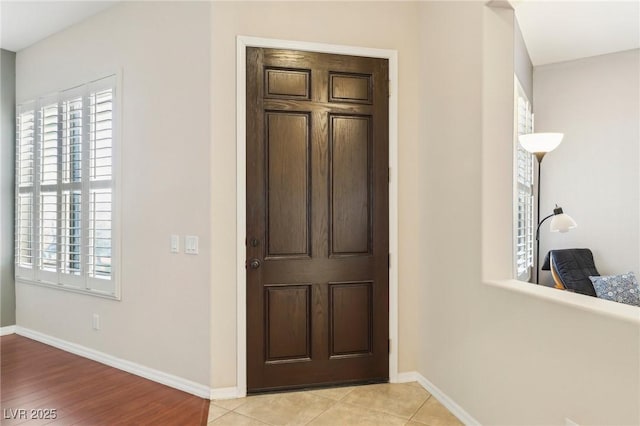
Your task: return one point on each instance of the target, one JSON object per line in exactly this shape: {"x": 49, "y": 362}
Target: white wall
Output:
{"x": 522, "y": 61}
{"x": 162, "y": 51}
{"x": 595, "y": 173}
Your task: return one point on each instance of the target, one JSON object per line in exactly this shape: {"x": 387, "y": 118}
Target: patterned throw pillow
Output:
{"x": 619, "y": 288}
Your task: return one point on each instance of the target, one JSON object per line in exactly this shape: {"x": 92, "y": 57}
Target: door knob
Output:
{"x": 254, "y": 263}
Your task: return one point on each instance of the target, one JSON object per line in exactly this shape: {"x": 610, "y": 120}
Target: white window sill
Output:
{"x": 69, "y": 288}
{"x": 586, "y": 303}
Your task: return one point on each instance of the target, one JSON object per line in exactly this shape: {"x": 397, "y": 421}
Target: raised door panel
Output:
{"x": 288, "y": 323}
{"x": 350, "y": 88}
{"x": 350, "y": 185}
{"x": 351, "y": 319}
{"x": 288, "y": 204}
{"x": 287, "y": 83}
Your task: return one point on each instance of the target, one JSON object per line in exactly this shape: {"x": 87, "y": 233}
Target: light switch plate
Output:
{"x": 175, "y": 244}
{"x": 191, "y": 244}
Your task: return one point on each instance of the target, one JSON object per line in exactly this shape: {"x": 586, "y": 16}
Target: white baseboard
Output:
{"x": 130, "y": 367}
{"x": 450, "y": 404}
{"x": 9, "y": 329}
{"x": 408, "y": 376}
{"x": 226, "y": 393}
{"x": 201, "y": 390}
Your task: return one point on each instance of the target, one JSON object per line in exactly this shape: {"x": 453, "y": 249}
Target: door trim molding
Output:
{"x": 242, "y": 42}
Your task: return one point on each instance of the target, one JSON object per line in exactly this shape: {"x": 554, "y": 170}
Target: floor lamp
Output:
{"x": 539, "y": 144}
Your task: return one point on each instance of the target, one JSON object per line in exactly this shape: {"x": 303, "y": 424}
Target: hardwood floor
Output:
{"x": 36, "y": 379}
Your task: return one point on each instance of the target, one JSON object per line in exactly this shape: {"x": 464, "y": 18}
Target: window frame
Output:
{"x": 521, "y": 189}
{"x": 82, "y": 283}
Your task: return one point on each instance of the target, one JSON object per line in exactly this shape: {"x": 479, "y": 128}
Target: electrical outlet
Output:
{"x": 96, "y": 322}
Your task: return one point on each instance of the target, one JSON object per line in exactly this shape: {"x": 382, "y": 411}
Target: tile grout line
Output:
{"x": 264, "y": 422}
{"x": 334, "y": 402}
{"x": 246, "y": 398}
{"x": 376, "y": 411}
{"x": 268, "y": 396}
{"x": 388, "y": 413}
{"x": 218, "y": 418}
{"x": 225, "y": 414}
{"x": 414, "y": 414}
{"x": 209, "y": 412}
{"x": 251, "y": 417}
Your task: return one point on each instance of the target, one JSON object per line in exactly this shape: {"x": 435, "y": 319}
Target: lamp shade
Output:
{"x": 562, "y": 223}
{"x": 540, "y": 142}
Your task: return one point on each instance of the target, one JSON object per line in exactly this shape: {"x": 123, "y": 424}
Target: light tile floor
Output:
{"x": 381, "y": 404}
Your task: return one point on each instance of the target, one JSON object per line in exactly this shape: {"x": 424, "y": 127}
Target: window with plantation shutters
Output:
{"x": 64, "y": 190}
{"x": 523, "y": 186}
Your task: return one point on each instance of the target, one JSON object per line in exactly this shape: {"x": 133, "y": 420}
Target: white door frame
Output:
{"x": 241, "y": 223}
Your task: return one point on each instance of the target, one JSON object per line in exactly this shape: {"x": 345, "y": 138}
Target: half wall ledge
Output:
{"x": 615, "y": 310}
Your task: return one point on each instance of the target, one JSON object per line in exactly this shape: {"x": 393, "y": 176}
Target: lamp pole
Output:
{"x": 539, "y": 157}
{"x": 538, "y": 246}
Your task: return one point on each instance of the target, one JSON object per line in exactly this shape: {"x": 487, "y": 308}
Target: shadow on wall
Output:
{"x": 7, "y": 159}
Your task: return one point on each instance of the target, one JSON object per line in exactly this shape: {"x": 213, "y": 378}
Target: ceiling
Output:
{"x": 23, "y": 23}
{"x": 554, "y": 31}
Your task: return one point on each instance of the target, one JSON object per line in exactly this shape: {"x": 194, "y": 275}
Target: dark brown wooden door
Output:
{"x": 317, "y": 219}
